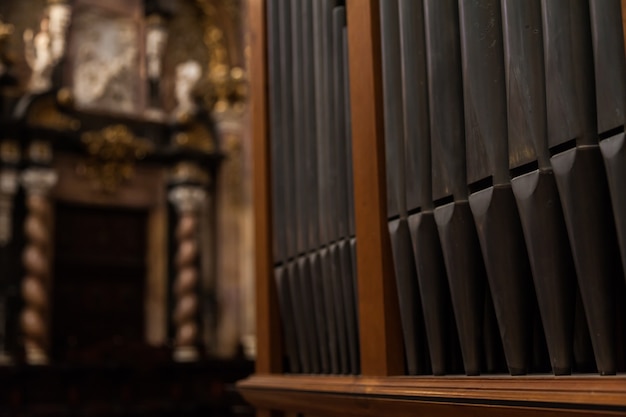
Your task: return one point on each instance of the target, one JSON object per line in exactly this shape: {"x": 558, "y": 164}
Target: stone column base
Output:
{"x": 249, "y": 345}
{"x": 36, "y": 356}
{"x": 186, "y": 354}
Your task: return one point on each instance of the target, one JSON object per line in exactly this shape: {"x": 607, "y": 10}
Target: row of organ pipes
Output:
{"x": 504, "y": 131}
{"x": 505, "y": 167}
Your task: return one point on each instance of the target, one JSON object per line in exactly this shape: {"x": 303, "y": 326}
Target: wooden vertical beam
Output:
{"x": 269, "y": 340}
{"x": 379, "y": 317}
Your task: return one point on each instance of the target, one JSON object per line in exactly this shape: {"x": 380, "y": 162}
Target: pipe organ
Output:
{"x": 442, "y": 179}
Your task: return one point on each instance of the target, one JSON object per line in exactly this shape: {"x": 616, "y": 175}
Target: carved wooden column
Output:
{"x": 37, "y": 255}
{"x": 188, "y": 197}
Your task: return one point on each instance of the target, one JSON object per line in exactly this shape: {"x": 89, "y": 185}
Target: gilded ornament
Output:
{"x": 6, "y": 30}
{"x": 196, "y": 137}
{"x": 45, "y": 113}
{"x": 227, "y": 85}
{"x": 40, "y": 151}
{"x": 10, "y": 152}
{"x": 65, "y": 97}
{"x": 185, "y": 172}
{"x": 113, "y": 153}
{"x": 5, "y": 62}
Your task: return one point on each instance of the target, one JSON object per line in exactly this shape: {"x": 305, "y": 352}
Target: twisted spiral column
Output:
{"x": 37, "y": 264}
{"x": 188, "y": 201}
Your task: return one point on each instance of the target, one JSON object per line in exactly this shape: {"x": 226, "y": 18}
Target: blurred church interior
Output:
{"x": 125, "y": 229}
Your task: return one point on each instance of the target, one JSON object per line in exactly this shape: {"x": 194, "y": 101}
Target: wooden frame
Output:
{"x": 269, "y": 340}
{"x": 378, "y": 392}
{"x": 494, "y": 396}
{"x": 147, "y": 191}
{"x": 381, "y": 339}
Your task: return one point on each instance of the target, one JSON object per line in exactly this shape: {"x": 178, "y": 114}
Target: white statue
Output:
{"x": 59, "y": 15}
{"x": 156, "y": 39}
{"x": 38, "y": 54}
{"x": 188, "y": 74}
{"x": 44, "y": 49}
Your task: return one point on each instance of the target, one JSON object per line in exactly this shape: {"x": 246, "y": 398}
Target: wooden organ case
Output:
{"x": 439, "y": 207}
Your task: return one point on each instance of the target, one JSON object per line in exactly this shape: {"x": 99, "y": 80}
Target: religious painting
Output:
{"x": 106, "y": 59}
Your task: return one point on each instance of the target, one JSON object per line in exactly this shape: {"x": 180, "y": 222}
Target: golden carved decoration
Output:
{"x": 155, "y": 19}
{"x": 196, "y": 136}
{"x": 6, "y": 30}
{"x": 65, "y": 97}
{"x": 227, "y": 84}
{"x": 189, "y": 172}
{"x": 10, "y": 152}
{"x": 46, "y": 114}
{"x": 113, "y": 152}
{"x": 40, "y": 151}
{"x": 5, "y": 33}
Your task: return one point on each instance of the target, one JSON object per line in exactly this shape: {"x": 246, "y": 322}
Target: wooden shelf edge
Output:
{"x": 590, "y": 395}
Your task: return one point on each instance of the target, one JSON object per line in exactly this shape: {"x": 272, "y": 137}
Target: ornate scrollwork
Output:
{"x": 113, "y": 152}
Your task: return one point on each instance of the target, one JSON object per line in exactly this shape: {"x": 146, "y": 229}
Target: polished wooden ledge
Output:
{"x": 438, "y": 396}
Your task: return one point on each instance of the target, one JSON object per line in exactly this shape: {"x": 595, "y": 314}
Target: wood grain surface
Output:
{"x": 440, "y": 396}
{"x": 380, "y": 333}
{"x": 269, "y": 339}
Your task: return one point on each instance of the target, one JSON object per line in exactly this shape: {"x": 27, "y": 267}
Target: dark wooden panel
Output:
{"x": 99, "y": 279}
{"x": 99, "y": 235}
